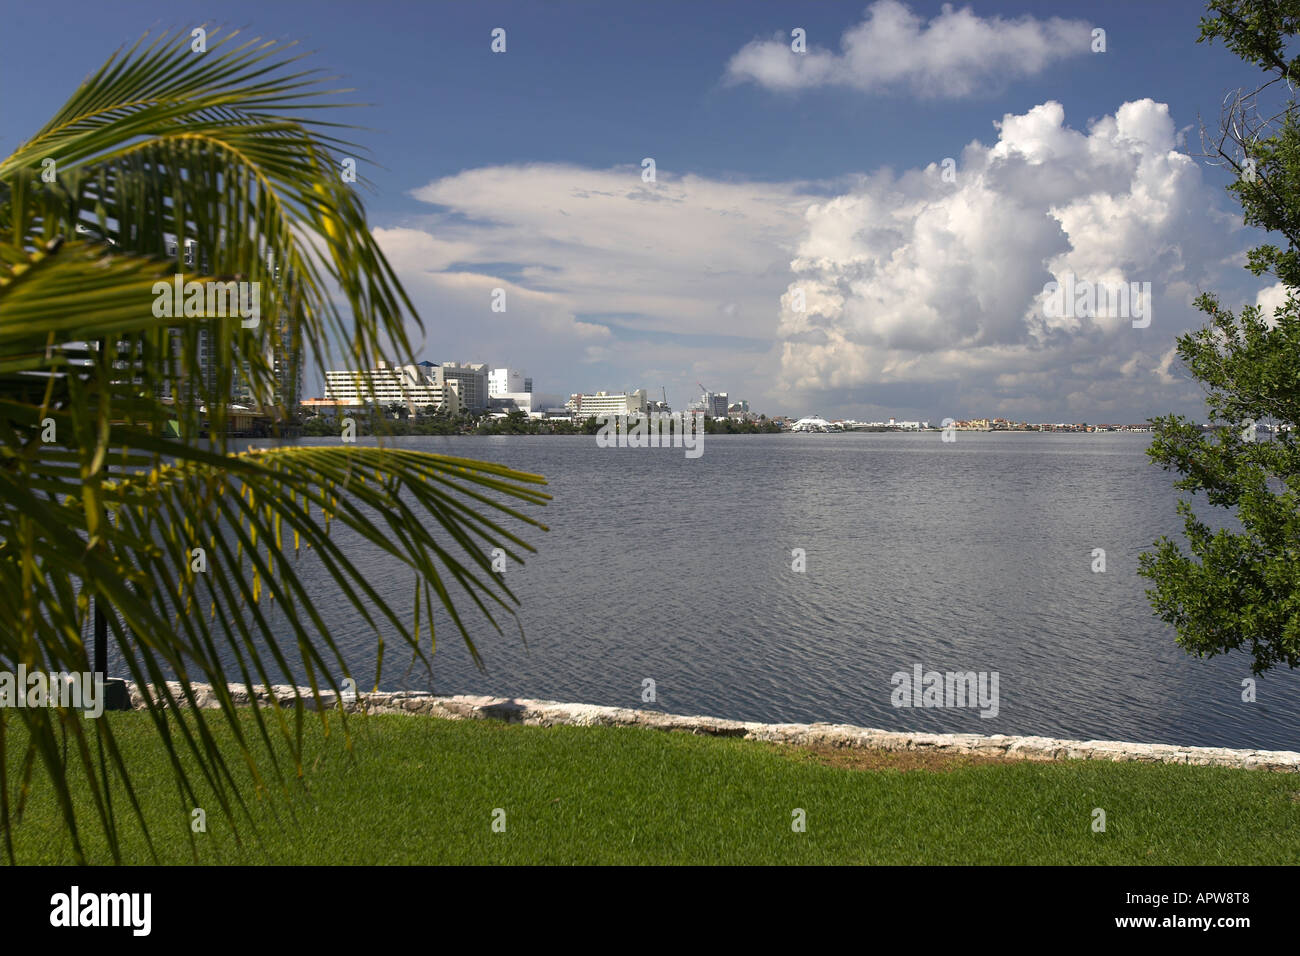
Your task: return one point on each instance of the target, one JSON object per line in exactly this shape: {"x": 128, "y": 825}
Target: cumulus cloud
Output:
{"x": 1269, "y": 300}
{"x": 954, "y": 55}
{"x": 931, "y": 278}
{"x": 914, "y": 293}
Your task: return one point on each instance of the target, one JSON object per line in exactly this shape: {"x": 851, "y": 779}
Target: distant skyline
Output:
{"x": 778, "y": 175}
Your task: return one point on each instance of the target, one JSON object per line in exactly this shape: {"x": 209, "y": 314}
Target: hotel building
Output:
{"x": 415, "y": 386}
{"x": 509, "y": 389}
{"x": 607, "y": 403}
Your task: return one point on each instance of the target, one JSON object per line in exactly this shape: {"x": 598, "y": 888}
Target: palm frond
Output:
{"x": 116, "y": 468}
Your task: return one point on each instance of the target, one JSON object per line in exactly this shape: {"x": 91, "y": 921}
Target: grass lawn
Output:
{"x": 423, "y": 790}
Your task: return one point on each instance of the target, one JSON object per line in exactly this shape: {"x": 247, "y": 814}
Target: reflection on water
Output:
{"x": 966, "y": 556}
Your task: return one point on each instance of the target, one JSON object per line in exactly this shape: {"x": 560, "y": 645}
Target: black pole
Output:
{"x": 101, "y": 639}
{"x": 101, "y": 622}
{"x": 116, "y": 695}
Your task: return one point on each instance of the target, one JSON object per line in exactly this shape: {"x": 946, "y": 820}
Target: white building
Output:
{"x": 506, "y": 381}
{"x": 607, "y": 403}
{"x": 471, "y": 379}
{"x": 415, "y": 386}
{"x": 512, "y": 401}
{"x": 509, "y": 389}
{"x": 816, "y": 424}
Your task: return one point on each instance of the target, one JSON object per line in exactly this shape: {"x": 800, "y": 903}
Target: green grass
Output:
{"x": 423, "y": 790}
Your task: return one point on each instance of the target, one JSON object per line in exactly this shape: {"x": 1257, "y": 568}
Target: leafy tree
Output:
{"x": 1240, "y": 590}
{"x": 108, "y": 493}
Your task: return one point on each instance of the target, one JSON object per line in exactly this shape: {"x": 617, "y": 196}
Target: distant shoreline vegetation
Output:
{"x": 387, "y": 422}
{"x": 516, "y": 423}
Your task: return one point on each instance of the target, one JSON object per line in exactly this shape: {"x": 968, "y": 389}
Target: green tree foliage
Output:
{"x": 732, "y": 426}
{"x": 1240, "y": 590}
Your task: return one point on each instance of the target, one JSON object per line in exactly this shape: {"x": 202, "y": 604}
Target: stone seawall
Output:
{"x": 547, "y": 713}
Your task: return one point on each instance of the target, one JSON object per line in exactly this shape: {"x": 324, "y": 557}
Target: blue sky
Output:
{"x": 522, "y": 171}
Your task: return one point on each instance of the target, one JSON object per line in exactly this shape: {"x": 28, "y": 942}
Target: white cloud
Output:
{"x": 1271, "y": 299}
{"x": 912, "y": 279}
{"x": 440, "y": 292}
{"x": 954, "y": 55}
{"x": 914, "y": 287}
{"x": 673, "y": 251}
{"x": 580, "y": 251}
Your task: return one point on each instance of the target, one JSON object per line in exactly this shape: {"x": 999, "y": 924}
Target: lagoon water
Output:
{"x": 974, "y": 555}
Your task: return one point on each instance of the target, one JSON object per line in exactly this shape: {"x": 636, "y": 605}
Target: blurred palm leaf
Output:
{"x": 160, "y": 147}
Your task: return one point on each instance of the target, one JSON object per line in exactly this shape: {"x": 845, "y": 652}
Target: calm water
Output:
{"x": 974, "y": 555}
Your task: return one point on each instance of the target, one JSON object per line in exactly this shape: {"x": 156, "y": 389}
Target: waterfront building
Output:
{"x": 506, "y": 381}
{"x": 511, "y": 402}
{"x": 713, "y": 404}
{"x": 415, "y": 386}
{"x": 472, "y": 383}
{"x": 607, "y": 403}
{"x": 816, "y": 423}
{"x": 510, "y": 390}
{"x": 328, "y": 406}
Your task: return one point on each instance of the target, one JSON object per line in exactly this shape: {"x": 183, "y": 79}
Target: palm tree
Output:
{"x": 121, "y": 490}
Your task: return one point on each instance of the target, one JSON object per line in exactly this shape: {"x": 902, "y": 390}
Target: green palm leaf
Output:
{"x": 110, "y": 489}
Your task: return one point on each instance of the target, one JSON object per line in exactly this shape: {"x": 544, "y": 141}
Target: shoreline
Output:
{"x": 548, "y": 713}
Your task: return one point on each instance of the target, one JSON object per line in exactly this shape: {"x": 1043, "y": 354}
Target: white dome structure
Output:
{"x": 815, "y": 424}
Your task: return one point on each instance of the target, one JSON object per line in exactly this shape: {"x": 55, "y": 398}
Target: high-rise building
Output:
{"x": 473, "y": 383}
{"x": 509, "y": 389}
{"x": 203, "y": 386}
{"x": 284, "y": 351}
{"x": 713, "y": 404}
{"x": 503, "y": 381}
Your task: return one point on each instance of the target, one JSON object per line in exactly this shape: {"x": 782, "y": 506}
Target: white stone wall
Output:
{"x": 547, "y": 713}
